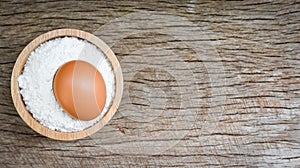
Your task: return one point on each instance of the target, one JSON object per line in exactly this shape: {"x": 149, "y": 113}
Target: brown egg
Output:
{"x": 80, "y": 90}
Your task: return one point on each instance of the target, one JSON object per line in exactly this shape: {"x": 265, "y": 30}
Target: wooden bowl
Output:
{"x": 18, "y": 68}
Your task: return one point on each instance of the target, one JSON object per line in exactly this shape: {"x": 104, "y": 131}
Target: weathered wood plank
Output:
{"x": 179, "y": 110}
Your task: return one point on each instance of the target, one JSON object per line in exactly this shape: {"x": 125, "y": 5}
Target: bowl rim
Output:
{"x": 18, "y": 69}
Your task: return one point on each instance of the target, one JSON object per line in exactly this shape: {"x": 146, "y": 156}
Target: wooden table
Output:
{"x": 206, "y": 83}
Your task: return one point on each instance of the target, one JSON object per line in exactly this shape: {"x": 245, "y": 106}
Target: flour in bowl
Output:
{"x": 36, "y": 81}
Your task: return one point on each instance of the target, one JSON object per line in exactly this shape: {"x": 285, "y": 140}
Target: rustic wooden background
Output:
{"x": 174, "y": 113}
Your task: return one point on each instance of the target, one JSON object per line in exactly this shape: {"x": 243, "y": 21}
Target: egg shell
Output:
{"x": 80, "y": 90}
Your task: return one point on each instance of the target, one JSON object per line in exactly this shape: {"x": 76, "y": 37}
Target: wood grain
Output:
{"x": 247, "y": 116}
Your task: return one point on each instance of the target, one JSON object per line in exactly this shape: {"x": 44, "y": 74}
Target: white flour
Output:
{"x": 37, "y": 78}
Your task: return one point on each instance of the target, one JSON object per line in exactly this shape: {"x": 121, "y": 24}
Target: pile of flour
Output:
{"x": 37, "y": 78}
